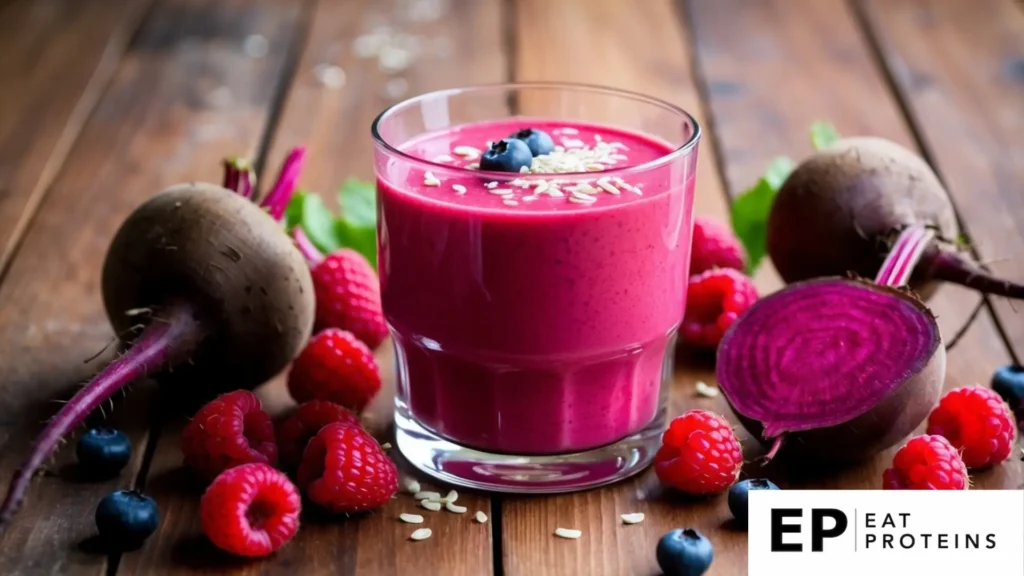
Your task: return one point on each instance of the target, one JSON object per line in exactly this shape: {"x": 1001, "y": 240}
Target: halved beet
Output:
{"x": 835, "y": 369}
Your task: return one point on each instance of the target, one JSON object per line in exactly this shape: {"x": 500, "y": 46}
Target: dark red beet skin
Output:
{"x": 833, "y": 369}
{"x": 842, "y": 207}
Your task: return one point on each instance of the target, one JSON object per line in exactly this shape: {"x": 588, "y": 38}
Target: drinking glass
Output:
{"x": 534, "y": 332}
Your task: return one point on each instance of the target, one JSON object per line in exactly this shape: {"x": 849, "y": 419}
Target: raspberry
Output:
{"x": 926, "y": 463}
{"x": 699, "y": 454}
{"x": 294, "y": 432}
{"x": 715, "y": 246}
{"x": 714, "y": 299}
{"x": 976, "y": 422}
{"x": 250, "y": 510}
{"x": 232, "y": 429}
{"x": 348, "y": 296}
{"x": 335, "y": 366}
{"x": 344, "y": 470}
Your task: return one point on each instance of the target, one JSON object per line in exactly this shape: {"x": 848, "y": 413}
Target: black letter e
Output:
{"x": 779, "y": 528}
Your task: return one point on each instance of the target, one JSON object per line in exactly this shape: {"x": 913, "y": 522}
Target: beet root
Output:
{"x": 214, "y": 290}
{"x": 841, "y": 209}
{"x": 833, "y": 369}
{"x": 197, "y": 243}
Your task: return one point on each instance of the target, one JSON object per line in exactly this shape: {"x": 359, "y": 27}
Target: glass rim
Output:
{"x": 680, "y": 151}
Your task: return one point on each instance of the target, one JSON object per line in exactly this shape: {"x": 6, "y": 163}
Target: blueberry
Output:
{"x": 684, "y": 553}
{"x": 539, "y": 141}
{"x": 103, "y": 451}
{"x": 738, "y": 496}
{"x": 126, "y": 518}
{"x": 508, "y": 155}
{"x": 1008, "y": 382}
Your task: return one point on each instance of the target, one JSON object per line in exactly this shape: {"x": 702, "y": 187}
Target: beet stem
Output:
{"x": 306, "y": 247}
{"x": 776, "y": 445}
{"x": 165, "y": 341}
{"x": 952, "y": 267}
{"x": 277, "y": 199}
{"x": 905, "y": 255}
{"x": 239, "y": 176}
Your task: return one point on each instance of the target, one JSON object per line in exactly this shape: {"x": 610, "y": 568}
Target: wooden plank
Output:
{"x": 959, "y": 68}
{"x": 773, "y": 68}
{"x": 333, "y": 121}
{"x": 185, "y": 95}
{"x": 56, "y": 57}
{"x": 610, "y": 42}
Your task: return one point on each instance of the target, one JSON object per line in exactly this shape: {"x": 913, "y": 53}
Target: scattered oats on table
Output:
{"x": 706, "y": 391}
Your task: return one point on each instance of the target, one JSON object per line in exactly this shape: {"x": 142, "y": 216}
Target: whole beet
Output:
{"x": 246, "y": 281}
{"x": 842, "y": 208}
{"x": 215, "y": 293}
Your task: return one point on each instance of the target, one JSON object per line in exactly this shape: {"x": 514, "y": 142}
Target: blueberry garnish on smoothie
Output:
{"x": 507, "y": 155}
{"x": 538, "y": 141}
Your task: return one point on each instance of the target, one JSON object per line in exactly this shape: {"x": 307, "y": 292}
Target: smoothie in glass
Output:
{"x": 534, "y": 312}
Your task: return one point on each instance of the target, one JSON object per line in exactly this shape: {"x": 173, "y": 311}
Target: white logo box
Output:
{"x": 898, "y": 533}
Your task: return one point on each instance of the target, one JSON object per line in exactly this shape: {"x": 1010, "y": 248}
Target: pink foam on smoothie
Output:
{"x": 539, "y": 327}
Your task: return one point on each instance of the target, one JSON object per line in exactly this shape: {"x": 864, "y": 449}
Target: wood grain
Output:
{"x": 184, "y": 96}
{"x": 960, "y": 70}
{"x": 640, "y": 47}
{"x": 773, "y": 68}
{"x": 56, "y": 57}
{"x": 333, "y": 122}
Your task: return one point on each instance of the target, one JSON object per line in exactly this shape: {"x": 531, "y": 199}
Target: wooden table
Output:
{"x": 104, "y": 103}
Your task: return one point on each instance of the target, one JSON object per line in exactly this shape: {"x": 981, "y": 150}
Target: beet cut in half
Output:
{"x": 837, "y": 369}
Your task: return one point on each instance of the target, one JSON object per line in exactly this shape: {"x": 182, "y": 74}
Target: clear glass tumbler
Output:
{"x": 533, "y": 308}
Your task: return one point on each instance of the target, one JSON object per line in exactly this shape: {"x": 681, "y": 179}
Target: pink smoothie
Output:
{"x": 534, "y": 317}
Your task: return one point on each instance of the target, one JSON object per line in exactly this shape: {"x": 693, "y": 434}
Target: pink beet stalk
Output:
{"x": 905, "y": 255}
{"x": 239, "y": 176}
{"x": 277, "y": 199}
{"x": 305, "y": 245}
{"x": 166, "y": 341}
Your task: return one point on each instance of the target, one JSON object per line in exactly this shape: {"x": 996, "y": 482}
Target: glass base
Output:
{"x": 533, "y": 474}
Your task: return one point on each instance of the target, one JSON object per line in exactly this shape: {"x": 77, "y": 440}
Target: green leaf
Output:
{"x": 293, "y": 212}
{"x": 750, "y": 220}
{"x": 359, "y": 238}
{"x": 319, "y": 224}
{"x": 823, "y": 135}
{"x": 357, "y": 200}
{"x": 778, "y": 170}
{"x": 357, "y": 227}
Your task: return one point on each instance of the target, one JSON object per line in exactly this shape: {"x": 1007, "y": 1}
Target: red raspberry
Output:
{"x": 976, "y": 422}
{"x": 699, "y": 454}
{"x": 714, "y": 299}
{"x": 232, "y": 429}
{"x": 348, "y": 296}
{"x": 926, "y": 463}
{"x": 335, "y": 366}
{"x": 294, "y": 432}
{"x": 715, "y": 246}
{"x": 250, "y": 510}
{"x": 344, "y": 470}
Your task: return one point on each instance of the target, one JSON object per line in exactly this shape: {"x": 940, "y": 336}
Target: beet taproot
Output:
{"x": 837, "y": 369}
{"x": 839, "y": 211}
{"x": 214, "y": 291}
